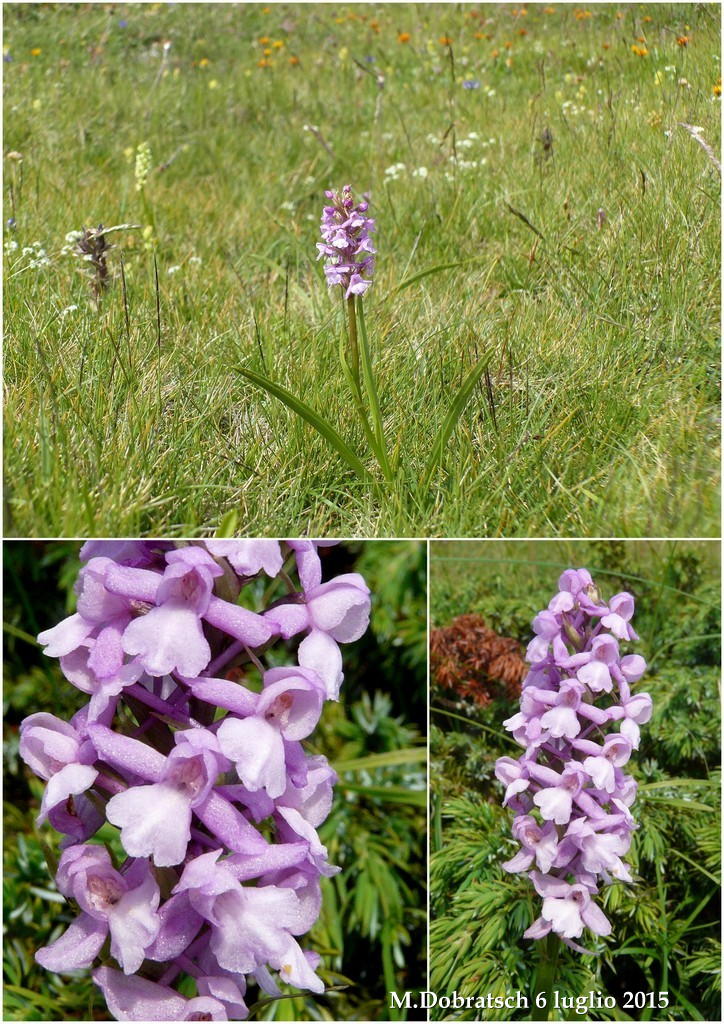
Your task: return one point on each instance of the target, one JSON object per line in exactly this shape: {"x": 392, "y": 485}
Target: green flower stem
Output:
{"x": 358, "y": 370}
{"x": 545, "y": 976}
{"x": 353, "y": 343}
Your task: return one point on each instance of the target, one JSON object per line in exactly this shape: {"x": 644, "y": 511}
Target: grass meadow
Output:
{"x": 538, "y": 201}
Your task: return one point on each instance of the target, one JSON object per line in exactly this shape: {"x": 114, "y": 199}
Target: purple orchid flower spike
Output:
{"x": 569, "y": 791}
{"x": 216, "y": 800}
{"x": 346, "y": 244}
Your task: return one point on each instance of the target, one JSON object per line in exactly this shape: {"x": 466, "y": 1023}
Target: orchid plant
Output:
{"x": 349, "y": 255}
{"x": 190, "y": 746}
{"x": 578, "y": 724}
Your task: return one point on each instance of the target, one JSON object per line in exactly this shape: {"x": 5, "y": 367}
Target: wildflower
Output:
{"x": 716, "y": 88}
{"x": 403, "y": 37}
{"x": 199, "y": 888}
{"x": 143, "y": 165}
{"x": 445, "y": 41}
{"x": 568, "y": 791}
{"x": 278, "y": 44}
{"x": 294, "y": 60}
{"x": 36, "y": 51}
{"x": 264, "y": 63}
{"x": 204, "y": 62}
{"x": 682, "y": 40}
{"x": 264, "y": 41}
{"x": 420, "y": 172}
{"x": 346, "y": 245}
{"x": 394, "y": 171}
{"x": 92, "y": 247}
{"x": 174, "y": 269}
{"x": 471, "y": 83}
{"x": 639, "y": 51}
{"x": 213, "y": 84}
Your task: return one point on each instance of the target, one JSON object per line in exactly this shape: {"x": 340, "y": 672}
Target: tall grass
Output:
{"x": 599, "y": 410}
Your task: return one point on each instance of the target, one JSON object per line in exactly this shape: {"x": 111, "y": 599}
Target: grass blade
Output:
{"x": 450, "y": 422}
{"x": 314, "y": 419}
{"x": 435, "y": 270}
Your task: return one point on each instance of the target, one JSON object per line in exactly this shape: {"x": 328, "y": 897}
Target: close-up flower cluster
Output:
{"x": 346, "y": 244}
{"x": 190, "y": 745}
{"x": 569, "y": 792}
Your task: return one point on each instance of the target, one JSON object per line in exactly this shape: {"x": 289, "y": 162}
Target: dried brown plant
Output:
{"x": 474, "y": 662}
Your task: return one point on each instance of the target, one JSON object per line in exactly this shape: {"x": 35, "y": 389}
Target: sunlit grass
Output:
{"x": 600, "y": 413}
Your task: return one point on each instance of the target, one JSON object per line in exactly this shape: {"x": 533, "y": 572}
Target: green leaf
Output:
{"x": 407, "y": 756}
{"x": 314, "y": 419}
{"x": 227, "y": 526}
{"x": 450, "y": 421}
{"x": 392, "y": 794}
{"x": 34, "y": 998}
{"x": 691, "y": 1010}
{"x": 697, "y": 867}
{"x": 646, "y": 787}
{"x": 682, "y": 805}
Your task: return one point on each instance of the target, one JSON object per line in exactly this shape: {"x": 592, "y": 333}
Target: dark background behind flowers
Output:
{"x": 666, "y": 928}
{"x": 373, "y": 926}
